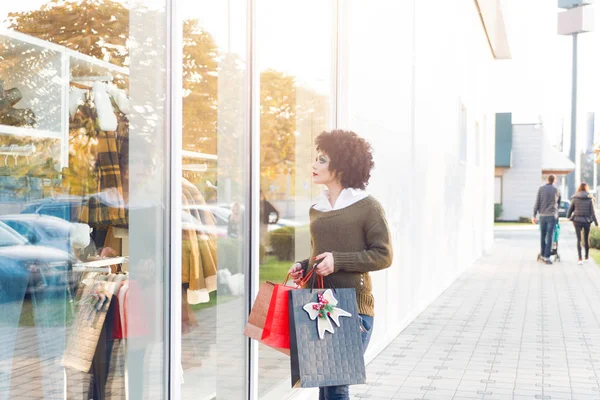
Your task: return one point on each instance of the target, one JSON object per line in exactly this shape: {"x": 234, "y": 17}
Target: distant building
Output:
{"x": 524, "y": 158}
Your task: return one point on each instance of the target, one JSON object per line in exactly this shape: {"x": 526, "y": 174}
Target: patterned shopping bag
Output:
{"x": 326, "y": 343}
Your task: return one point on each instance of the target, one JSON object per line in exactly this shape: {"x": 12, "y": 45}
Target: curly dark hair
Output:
{"x": 350, "y": 157}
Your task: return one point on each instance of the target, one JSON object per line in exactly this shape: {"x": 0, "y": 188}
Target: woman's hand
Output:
{"x": 296, "y": 273}
{"x": 325, "y": 267}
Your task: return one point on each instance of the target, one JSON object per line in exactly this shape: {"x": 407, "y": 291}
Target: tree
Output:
{"x": 98, "y": 28}
{"x": 277, "y": 123}
{"x": 200, "y": 89}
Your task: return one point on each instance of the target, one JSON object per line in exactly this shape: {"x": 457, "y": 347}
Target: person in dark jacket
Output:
{"x": 582, "y": 214}
{"x": 546, "y": 205}
{"x": 268, "y": 215}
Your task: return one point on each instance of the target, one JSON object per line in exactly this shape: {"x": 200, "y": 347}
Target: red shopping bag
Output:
{"x": 256, "y": 320}
{"x": 276, "y": 332}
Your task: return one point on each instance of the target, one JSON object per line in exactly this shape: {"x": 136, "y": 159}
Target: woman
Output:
{"x": 582, "y": 214}
{"x": 348, "y": 228}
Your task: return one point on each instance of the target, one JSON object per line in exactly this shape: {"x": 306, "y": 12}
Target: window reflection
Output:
{"x": 296, "y": 67}
{"x": 215, "y": 147}
{"x": 82, "y": 200}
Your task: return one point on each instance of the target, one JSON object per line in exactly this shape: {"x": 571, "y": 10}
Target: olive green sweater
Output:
{"x": 359, "y": 239}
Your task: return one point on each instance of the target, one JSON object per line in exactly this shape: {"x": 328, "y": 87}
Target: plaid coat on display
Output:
{"x": 107, "y": 206}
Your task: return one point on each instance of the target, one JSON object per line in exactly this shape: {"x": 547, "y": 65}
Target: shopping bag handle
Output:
{"x": 305, "y": 280}
{"x": 310, "y": 276}
{"x": 319, "y": 278}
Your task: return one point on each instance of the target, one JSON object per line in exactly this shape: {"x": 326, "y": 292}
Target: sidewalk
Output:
{"x": 509, "y": 328}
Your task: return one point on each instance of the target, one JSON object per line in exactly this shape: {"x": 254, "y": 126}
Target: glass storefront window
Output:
{"x": 214, "y": 163}
{"x": 83, "y": 196}
{"x": 296, "y": 62}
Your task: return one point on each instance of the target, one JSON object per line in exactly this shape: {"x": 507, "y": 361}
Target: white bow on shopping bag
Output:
{"x": 325, "y": 310}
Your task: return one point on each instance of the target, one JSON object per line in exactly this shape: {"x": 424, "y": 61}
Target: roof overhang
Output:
{"x": 492, "y": 19}
{"x": 555, "y": 162}
{"x": 557, "y": 172}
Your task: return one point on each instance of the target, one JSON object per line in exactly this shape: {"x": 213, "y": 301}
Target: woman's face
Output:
{"x": 320, "y": 171}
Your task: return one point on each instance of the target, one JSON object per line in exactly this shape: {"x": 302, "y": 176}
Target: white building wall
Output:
{"x": 520, "y": 183}
{"x": 404, "y": 81}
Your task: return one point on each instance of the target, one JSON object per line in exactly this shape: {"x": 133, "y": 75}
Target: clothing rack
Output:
{"x": 102, "y": 78}
{"x": 17, "y": 151}
{"x": 199, "y": 156}
{"x": 195, "y": 167}
{"x": 78, "y": 81}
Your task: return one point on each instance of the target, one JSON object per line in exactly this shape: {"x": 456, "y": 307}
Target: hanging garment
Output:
{"x": 122, "y": 295}
{"x": 77, "y": 98}
{"x": 82, "y": 173}
{"x": 199, "y": 250}
{"x": 192, "y": 272}
{"x": 107, "y": 206}
{"x": 107, "y": 120}
{"x": 208, "y": 256}
{"x": 188, "y": 318}
{"x": 120, "y": 97}
{"x": 139, "y": 312}
{"x": 122, "y": 134}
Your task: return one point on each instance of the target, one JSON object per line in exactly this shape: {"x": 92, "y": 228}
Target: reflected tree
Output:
{"x": 100, "y": 28}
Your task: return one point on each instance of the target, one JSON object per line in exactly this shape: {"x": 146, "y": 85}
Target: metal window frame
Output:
{"x": 339, "y": 57}
{"x": 173, "y": 143}
{"x": 252, "y": 219}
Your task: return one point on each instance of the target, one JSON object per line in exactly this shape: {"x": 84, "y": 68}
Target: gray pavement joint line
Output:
{"x": 481, "y": 298}
{"x": 557, "y": 298}
{"x": 454, "y": 293}
{"x": 450, "y": 296}
{"x": 594, "y": 281}
{"x": 529, "y": 281}
{"x": 512, "y": 297}
{"x": 587, "y": 345}
{"x": 542, "y": 292}
{"x": 482, "y": 330}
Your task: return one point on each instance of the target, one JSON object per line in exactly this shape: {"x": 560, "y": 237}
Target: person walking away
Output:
{"x": 582, "y": 214}
{"x": 546, "y": 205}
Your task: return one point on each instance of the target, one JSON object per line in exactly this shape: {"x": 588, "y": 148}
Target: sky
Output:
{"x": 535, "y": 83}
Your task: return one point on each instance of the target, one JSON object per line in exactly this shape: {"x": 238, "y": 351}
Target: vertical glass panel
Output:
{"x": 82, "y": 199}
{"x": 295, "y": 58}
{"x": 215, "y": 185}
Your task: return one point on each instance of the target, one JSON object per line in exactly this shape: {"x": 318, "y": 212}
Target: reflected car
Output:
{"x": 223, "y": 211}
{"x": 563, "y": 208}
{"x": 41, "y": 230}
{"x": 35, "y": 267}
{"x": 67, "y": 208}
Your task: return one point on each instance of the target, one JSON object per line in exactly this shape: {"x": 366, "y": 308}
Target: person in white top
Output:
{"x": 346, "y": 198}
{"x": 349, "y": 232}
